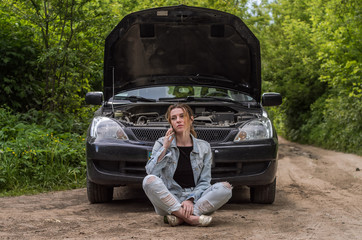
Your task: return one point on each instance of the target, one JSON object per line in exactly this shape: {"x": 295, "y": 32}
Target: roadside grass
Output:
{"x": 40, "y": 152}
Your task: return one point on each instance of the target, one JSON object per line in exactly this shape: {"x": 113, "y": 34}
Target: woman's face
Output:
{"x": 179, "y": 121}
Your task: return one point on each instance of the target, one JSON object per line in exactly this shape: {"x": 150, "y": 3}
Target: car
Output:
{"x": 206, "y": 58}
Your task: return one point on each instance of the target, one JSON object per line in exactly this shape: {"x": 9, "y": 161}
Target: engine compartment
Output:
{"x": 213, "y": 116}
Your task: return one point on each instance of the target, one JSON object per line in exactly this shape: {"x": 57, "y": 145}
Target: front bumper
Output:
{"x": 115, "y": 163}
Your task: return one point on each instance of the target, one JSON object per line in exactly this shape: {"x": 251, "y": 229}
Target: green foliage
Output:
{"x": 312, "y": 56}
{"x": 19, "y": 84}
{"x": 335, "y": 124}
{"x": 337, "y": 116}
{"x": 289, "y": 61}
{"x": 40, "y": 151}
{"x": 69, "y": 37}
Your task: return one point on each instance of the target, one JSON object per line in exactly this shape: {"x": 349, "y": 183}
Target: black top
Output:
{"x": 184, "y": 175}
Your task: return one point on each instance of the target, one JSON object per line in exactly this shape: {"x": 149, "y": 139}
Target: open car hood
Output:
{"x": 182, "y": 45}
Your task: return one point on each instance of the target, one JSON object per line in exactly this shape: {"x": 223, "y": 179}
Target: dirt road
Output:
{"x": 319, "y": 196}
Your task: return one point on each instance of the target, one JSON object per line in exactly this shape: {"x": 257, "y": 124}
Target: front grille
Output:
{"x": 210, "y": 135}
{"x": 108, "y": 166}
{"x": 238, "y": 169}
{"x": 148, "y": 135}
{"x": 124, "y": 167}
{"x": 213, "y": 135}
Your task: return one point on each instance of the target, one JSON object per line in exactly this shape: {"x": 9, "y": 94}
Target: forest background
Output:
{"x": 52, "y": 55}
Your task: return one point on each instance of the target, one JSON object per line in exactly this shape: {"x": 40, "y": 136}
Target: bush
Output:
{"x": 40, "y": 151}
{"x": 20, "y": 85}
{"x": 335, "y": 124}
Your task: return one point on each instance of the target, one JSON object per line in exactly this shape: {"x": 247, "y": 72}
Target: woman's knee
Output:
{"x": 149, "y": 179}
{"x": 225, "y": 188}
{"x": 227, "y": 185}
{"x": 223, "y": 184}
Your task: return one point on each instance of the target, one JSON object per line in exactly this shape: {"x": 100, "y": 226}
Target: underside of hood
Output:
{"x": 182, "y": 45}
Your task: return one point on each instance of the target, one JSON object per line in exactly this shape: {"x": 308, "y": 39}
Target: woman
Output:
{"x": 179, "y": 174}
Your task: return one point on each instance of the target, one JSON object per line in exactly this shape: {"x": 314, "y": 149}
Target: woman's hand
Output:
{"x": 170, "y": 135}
{"x": 187, "y": 208}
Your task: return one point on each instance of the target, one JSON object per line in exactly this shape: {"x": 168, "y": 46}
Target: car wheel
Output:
{"x": 263, "y": 194}
{"x": 99, "y": 193}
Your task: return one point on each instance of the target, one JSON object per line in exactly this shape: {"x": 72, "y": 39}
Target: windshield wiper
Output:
{"x": 217, "y": 98}
{"x": 246, "y": 103}
{"x": 208, "y": 99}
{"x": 176, "y": 99}
{"x": 135, "y": 99}
{"x": 198, "y": 76}
{"x": 196, "y": 99}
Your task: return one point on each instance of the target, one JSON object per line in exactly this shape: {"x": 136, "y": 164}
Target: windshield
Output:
{"x": 170, "y": 92}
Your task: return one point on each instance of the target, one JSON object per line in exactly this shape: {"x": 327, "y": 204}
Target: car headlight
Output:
{"x": 255, "y": 130}
{"x": 103, "y": 127}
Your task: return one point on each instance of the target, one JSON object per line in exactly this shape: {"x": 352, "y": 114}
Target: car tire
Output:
{"x": 263, "y": 194}
{"x": 99, "y": 193}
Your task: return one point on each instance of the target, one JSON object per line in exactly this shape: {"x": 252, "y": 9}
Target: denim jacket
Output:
{"x": 200, "y": 156}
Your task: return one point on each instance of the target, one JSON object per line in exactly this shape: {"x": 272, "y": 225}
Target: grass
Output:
{"x": 40, "y": 152}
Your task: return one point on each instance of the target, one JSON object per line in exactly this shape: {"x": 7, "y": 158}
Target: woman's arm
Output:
{"x": 154, "y": 166}
{"x": 159, "y": 153}
{"x": 167, "y": 140}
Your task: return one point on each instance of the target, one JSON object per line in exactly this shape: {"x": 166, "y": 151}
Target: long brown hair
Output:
{"x": 188, "y": 113}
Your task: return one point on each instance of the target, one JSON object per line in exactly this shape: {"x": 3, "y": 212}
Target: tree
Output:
{"x": 19, "y": 82}
{"x": 70, "y": 35}
{"x": 312, "y": 55}
{"x": 290, "y": 65}
{"x": 337, "y": 31}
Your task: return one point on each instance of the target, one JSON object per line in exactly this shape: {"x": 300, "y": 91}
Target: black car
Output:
{"x": 205, "y": 58}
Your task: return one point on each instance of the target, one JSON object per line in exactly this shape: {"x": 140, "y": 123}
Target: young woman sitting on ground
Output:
{"x": 179, "y": 174}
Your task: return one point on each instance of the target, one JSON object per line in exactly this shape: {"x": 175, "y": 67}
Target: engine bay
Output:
{"x": 213, "y": 116}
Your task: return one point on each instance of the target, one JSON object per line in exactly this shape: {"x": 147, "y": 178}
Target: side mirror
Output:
{"x": 271, "y": 99}
{"x": 94, "y": 98}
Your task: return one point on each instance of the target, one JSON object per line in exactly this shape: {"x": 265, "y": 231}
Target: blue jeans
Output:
{"x": 165, "y": 202}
